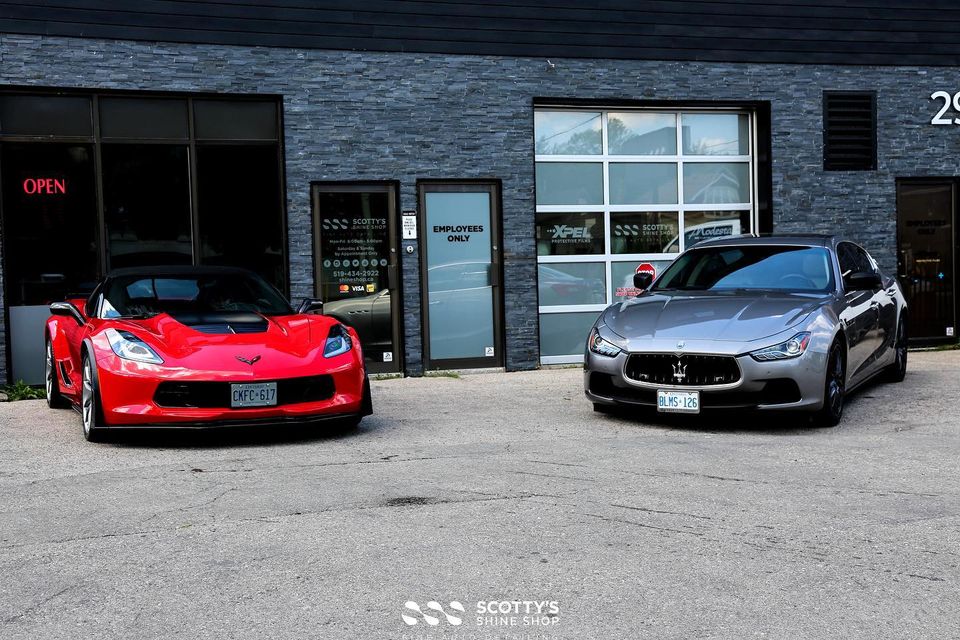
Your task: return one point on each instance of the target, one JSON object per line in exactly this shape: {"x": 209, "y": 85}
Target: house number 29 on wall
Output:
{"x": 947, "y": 101}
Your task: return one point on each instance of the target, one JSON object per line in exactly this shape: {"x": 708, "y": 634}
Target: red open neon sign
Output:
{"x": 37, "y": 186}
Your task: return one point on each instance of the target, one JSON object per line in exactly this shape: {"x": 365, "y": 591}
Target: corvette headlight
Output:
{"x": 791, "y": 348}
{"x": 130, "y": 347}
{"x": 602, "y": 347}
{"x": 338, "y": 342}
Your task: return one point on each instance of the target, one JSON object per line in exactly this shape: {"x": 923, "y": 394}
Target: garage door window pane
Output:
{"x": 571, "y": 283}
{"x": 705, "y": 225}
{"x": 716, "y": 182}
{"x": 642, "y": 134}
{"x": 644, "y": 232}
{"x": 563, "y": 334}
{"x": 643, "y": 183}
{"x": 564, "y": 133}
{"x": 716, "y": 134}
{"x": 567, "y": 234}
{"x": 569, "y": 183}
{"x": 621, "y": 277}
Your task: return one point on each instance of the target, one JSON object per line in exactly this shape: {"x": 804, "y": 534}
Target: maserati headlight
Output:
{"x": 791, "y": 348}
{"x": 601, "y": 346}
{"x": 130, "y": 347}
{"x": 338, "y": 342}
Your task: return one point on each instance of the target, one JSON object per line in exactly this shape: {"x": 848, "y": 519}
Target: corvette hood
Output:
{"x": 729, "y": 316}
{"x": 280, "y": 341}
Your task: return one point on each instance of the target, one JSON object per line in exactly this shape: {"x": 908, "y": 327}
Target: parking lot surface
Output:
{"x": 487, "y": 489}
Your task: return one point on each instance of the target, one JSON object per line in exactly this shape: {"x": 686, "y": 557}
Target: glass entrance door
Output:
{"x": 460, "y": 267}
{"x": 355, "y": 244}
{"x": 926, "y": 262}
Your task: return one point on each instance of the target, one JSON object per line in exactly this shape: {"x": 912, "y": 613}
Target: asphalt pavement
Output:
{"x": 505, "y": 496}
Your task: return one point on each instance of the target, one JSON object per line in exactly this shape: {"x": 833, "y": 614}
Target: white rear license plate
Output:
{"x": 253, "y": 394}
{"x": 678, "y": 401}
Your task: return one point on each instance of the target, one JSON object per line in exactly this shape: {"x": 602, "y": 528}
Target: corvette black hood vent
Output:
{"x": 223, "y": 323}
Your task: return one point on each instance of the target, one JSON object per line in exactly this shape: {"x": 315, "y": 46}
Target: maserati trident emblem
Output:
{"x": 250, "y": 362}
{"x": 679, "y": 371}
{"x": 680, "y": 345}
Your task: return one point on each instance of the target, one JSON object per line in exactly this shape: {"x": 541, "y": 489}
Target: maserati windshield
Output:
{"x": 750, "y": 267}
{"x": 145, "y": 296}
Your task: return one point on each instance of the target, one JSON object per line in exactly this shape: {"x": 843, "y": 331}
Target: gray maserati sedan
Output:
{"x": 770, "y": 323}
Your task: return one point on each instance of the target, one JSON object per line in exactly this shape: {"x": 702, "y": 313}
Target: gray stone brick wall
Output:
{"x": 379, "y": 116}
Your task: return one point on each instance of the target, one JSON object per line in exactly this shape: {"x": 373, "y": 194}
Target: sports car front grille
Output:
{"x": 216, "y": 395}
{"x": 683, "y": 370}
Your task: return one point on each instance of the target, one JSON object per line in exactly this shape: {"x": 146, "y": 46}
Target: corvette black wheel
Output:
{"x": 834, "y": 388}
{"x": 52, "y": 381}
{"x": 91, "y": 415}
{"x": 897, "y": 371}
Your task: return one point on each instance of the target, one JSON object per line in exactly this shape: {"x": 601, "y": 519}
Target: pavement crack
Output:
{"x": 645, "y": 526}
{"x": 37, "y": 605}
{"x": 672, "y": 513}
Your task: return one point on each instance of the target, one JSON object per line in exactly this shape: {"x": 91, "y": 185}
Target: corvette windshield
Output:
{"x": 750, "y": 267}
{"x": 145, "y": 296}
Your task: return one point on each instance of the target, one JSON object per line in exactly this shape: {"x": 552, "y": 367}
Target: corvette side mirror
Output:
{"x": 67, "y": 309}
{"x": 311, "y": 305}
{"x": 642, "y": 280}
{"x": 862, "y": 281}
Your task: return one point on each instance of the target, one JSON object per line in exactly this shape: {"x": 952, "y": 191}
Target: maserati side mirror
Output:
{"x": 67, "y": 309}
{"x": 862, "y": 281}
{"x": 642, "y": 280}
{"x": 311, "y": 305}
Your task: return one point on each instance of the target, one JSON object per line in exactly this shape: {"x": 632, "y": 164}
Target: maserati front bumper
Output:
{"x": 791, "y": 384}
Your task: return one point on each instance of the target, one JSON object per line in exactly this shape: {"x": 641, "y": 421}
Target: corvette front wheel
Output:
{"x": 91, "y": 415}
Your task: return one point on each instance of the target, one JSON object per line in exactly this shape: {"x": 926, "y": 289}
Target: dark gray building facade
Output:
{"x": 528, "y": 171}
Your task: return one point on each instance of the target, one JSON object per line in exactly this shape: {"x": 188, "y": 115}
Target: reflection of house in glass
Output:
{"x": 716, "y": 183}
{"x": 624, "y": 139}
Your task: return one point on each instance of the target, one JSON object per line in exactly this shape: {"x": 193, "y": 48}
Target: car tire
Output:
{"x": 897, "y": 371}
{"x": 834, "y": 387}
{"x": 91, "y": 413}
{"x": 52, "y": 381}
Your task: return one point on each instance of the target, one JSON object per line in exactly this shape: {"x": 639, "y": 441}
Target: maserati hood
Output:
{"x": 727, "y": 316}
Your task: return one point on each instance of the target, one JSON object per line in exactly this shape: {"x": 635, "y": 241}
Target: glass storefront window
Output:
{"x": 565, "y": 234}
{"x": 569, "y": 183}
{"x": 571, "y": 283}
{"x": 657, "y": 181}
{"x": 49, "y": 221}
{"x": 146, "y": 201}
{"x": 644, "y": 232}
{"x": 242, "y": 224}
{"x": 45, "y": 115}
{"x": 567, "y": 133}
{"x": 641, "y": 133}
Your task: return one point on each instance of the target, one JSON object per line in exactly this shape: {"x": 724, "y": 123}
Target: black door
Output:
{"x": 926, "y": 262}
{"x": 356, "y": 249}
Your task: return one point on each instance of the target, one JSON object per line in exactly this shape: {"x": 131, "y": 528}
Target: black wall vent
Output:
{"x": 849, "y": 130}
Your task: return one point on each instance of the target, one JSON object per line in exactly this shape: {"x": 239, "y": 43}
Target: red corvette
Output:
{"x": 199, "y": 347}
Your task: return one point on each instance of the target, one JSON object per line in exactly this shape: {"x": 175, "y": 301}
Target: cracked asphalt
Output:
{"x": 493, "y": 487}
